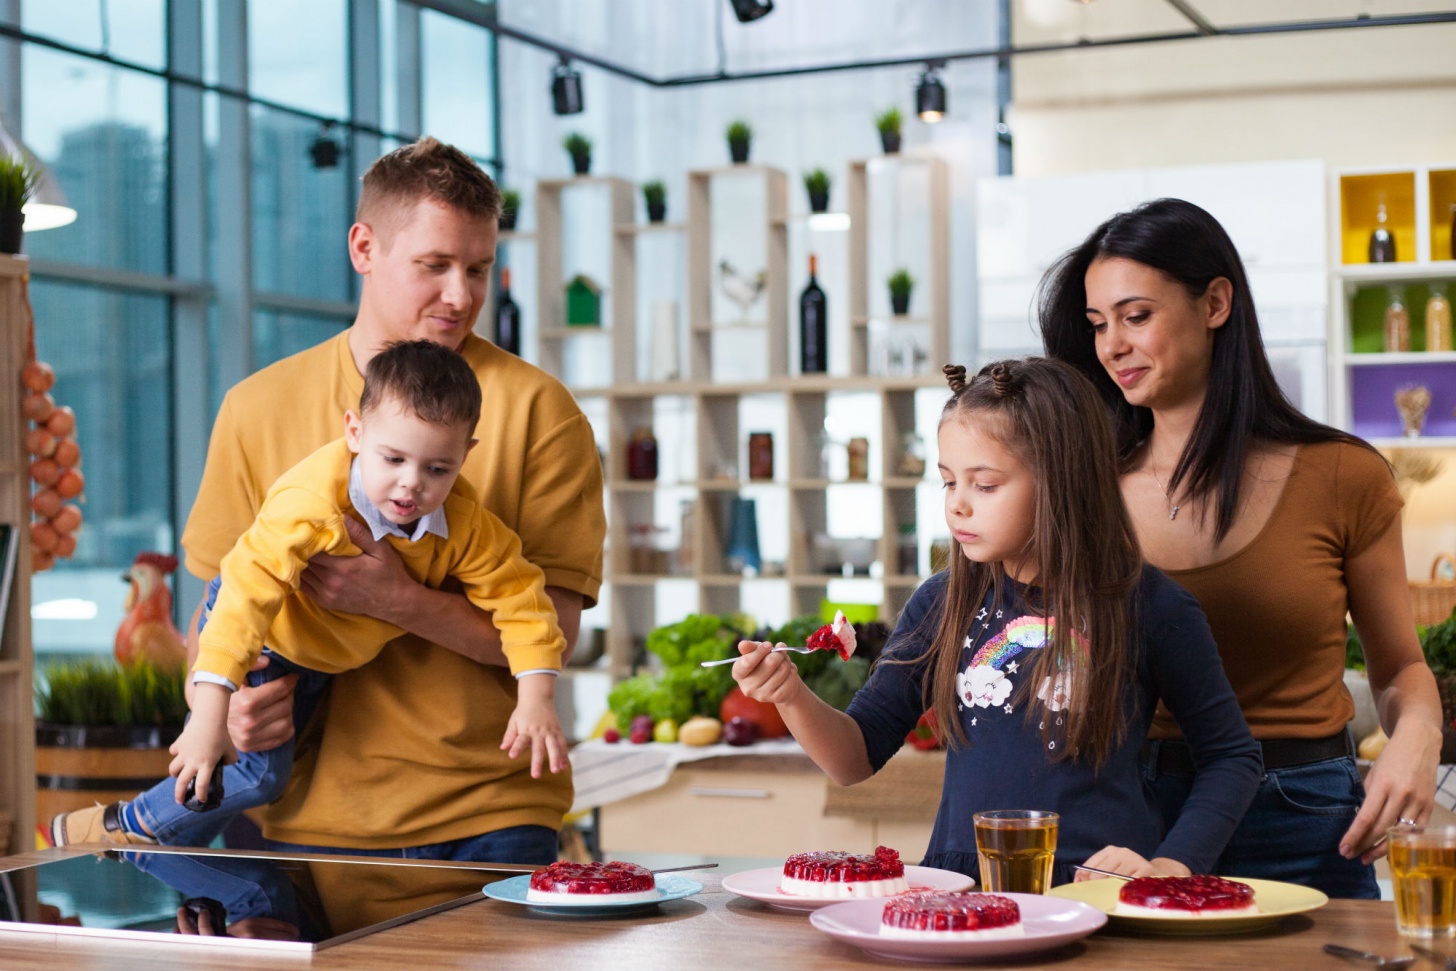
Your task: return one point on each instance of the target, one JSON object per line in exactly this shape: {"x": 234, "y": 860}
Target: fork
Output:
{"x": 1381, "y": 963}
{"x": 776, "y": 650}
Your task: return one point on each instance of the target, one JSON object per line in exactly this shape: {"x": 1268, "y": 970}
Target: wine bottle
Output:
{"x": 813, "y": 325}
{"x": 507, "y": 317}
{"x": 1382, "y": 243}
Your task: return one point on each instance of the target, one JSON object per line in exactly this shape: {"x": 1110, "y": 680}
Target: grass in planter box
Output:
{"x": 106, "y": 693}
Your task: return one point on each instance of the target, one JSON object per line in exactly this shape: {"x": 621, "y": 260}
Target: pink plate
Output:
{"x": 1049, "y": 922}
{"x": 763, "y": 886}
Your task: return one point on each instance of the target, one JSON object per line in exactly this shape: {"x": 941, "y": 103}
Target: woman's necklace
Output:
{"x": 1172, "y": 506}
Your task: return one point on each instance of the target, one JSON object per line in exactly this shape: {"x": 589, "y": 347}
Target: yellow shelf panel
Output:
{"x": 1360, "y": 199}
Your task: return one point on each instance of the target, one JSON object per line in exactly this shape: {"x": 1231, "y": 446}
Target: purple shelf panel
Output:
{"x": 1372, "y": 398}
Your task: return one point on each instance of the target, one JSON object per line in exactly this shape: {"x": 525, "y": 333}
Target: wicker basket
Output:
{"x": 1433, "y": 600}
{"x": 1446, "y": 687}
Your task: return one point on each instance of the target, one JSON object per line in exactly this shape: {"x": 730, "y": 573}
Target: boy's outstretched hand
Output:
{"x": 534, "y": 725}
{"x": 766, "y": 677}
{"x": 204, "y": 742}
{"x": 1120, "y": 859}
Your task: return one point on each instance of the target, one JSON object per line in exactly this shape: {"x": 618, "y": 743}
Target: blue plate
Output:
{"x": 513, "y": 891}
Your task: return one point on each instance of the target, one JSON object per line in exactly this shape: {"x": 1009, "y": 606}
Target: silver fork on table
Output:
{"x": 1381, "y": 963}
{"x": 776, "y": 650}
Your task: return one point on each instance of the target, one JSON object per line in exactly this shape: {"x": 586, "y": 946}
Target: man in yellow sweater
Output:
{"x": 403, "y": 756}
{"x": 397, "y": 471}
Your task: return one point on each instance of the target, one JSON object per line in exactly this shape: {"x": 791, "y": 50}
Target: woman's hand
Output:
{"x": 764, "y": 676}
{"x": 1120, "y": 859}
{"x": 1401, "y": 785}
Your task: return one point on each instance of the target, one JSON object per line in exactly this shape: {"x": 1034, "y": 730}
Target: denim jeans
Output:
{"x": 255, "y": 779}
{"x": 516, "y": 844}
{"x": 1292, "y": 829}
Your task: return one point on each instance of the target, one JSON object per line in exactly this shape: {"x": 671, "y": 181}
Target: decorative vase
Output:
{"x": 12, "y": 225}
{"x": 890, "y": 142}
{"x": 742, "y": 552}
{"x": 738, "y": 151}
{"x": 1413, "y": 401}
{"x": 581, "y": 163}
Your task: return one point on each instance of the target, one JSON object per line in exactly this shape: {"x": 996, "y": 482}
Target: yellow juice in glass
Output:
{"x": 1423, "y": 868}
{"x": 1016, "y": 850}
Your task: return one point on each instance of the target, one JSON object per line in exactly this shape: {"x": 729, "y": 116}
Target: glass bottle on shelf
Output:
{"x": 760, "y": 455}
{"x": 907, "y": 551}
{"x": 813, "y": 325}
{"x": 642, "y": 455}
{"x": 1397, "y": 324}
{"x": 912, "y": 455}
{"x": 1382, "y": 243}
{"x": 859, "y": 459}
{"x": 507, "y": 317}
{"x": 1438, "y": 320}
{"x": 1453, "y": 230}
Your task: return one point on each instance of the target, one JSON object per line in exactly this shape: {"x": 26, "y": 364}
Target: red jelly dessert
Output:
{"x": 837, "y": 874}
{"x": 943, "y": 916}
{"x": 1200, "y": 896}
{"x": 596, "y": 883}
{"x": 837, "y": 637}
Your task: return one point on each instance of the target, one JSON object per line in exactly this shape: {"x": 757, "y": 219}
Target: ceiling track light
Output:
{"x": 930, "y": 94}
{"x": 566, "y": 95}
{"x": 748, "y": 11}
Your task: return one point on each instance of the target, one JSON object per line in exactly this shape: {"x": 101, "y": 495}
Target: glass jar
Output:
{"x": 760, "y": 455}
{"x": 1397, "y": 325}
{"x": 912, "y": 455}
{"x": 1438, "y": 321}
{"x": 642, "y": 456}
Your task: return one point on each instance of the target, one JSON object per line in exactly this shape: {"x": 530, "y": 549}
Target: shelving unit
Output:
{"x": 1363, "y": 376}
{"x": 712, "y": 405}
{"x": 17, "y": 722}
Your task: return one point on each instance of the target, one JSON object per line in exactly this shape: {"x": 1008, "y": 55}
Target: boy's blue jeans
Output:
{"x": 255, "y": 779}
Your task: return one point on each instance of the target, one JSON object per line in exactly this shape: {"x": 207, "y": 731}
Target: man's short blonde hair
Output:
{"x": 426, "y": 169}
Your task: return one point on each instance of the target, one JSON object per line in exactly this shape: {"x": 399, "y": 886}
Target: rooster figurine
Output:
{"x": 147, "y": 632}
{"x": 740, "y": 288}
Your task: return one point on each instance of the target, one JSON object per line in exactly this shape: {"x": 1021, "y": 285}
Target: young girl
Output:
{"x": 1040, "y": 714}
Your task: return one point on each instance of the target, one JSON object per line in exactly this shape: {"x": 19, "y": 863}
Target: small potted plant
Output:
{"x": 579, "y": 147}
{"x": 739, "y": 135}
{"x": 888, "y": 122}
{"x": 510, "y": 206}
{"x": 18, "y": 178}
{"x": 654, "y": 193}
{"x": 901, "y": 283}
{"x": 816, "y": 181}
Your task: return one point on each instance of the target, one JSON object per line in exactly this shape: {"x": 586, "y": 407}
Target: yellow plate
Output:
{"x": 1275, "y": 901}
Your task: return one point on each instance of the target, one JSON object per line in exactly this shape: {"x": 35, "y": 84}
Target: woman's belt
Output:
{"x": 1174, "y": 756}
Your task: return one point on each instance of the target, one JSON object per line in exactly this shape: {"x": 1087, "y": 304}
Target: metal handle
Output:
{"x": 1349, "y": 952}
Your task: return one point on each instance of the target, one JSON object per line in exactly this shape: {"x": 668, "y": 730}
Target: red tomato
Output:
{"x": 766, "y": 717}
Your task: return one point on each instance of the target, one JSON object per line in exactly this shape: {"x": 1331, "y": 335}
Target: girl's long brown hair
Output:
{"x": 1083, "y": 550}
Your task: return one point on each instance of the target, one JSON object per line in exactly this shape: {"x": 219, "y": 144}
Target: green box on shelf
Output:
{"x": 583, "y": 303}
{"x": 854, "y": 613}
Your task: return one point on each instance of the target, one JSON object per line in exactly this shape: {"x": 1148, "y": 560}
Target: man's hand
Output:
{"x": 367, "y": 584}
{"x": 534, "y": 725}
{"x": 204, "y": 743}
{"x": 261, "y": 718}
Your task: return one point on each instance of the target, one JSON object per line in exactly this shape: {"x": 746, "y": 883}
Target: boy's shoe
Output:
{"x": 94, "y": 824}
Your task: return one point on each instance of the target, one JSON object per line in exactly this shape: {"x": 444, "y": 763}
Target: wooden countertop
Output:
{"x": 715, "y": 929}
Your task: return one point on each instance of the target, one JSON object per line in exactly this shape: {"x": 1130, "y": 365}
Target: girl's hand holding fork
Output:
{"x": 767, "y": 677}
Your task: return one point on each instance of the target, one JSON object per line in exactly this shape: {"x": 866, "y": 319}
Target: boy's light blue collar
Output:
{"x": 381, "y": 527}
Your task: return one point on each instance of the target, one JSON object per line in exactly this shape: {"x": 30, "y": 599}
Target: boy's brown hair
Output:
{"x": 426, "y": 169}
{"x": 428, "y": 379}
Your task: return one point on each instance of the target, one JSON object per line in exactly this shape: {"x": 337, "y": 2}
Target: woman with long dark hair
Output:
{"x": 1277, "y": 524}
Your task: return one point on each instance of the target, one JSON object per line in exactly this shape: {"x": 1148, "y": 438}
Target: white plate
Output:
{"x": 513, "y": 891}
{"x": 763, "y": 886}
{"x": 1049, "y": 922}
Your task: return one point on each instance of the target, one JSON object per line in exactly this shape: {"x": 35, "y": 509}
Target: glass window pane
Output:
{"x": 455, "y": 83}
{"x": 103, "y": 132}
{"x": 301, "y": 214}
{"x": 296, "y": 54}
{"x": 129, "y": 30}
{"x": 112, "y": 355}
{"x": 277, "y": 335}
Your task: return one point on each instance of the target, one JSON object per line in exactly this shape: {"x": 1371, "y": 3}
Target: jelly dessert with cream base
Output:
{"x": 836, "y": 874}
{"x": 951, "y": 917}
{"x": 837, "y": 637}
{"x": 591, "y": 883}
{"x": 1201, "y": 896}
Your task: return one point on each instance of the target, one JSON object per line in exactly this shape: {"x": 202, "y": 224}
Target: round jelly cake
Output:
{"x": 836, "y": 874}
{"x": 951, "y": 916}
{"x": 591, "y": 883}
{"x": 1201, "y": 896}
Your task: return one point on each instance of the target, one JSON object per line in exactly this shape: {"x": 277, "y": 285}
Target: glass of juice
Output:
{"x": 1423, "y": 868}
{"x": 1016, "y": 848}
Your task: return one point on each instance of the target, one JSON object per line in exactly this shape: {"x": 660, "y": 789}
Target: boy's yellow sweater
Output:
{"x": 303, "y": 515}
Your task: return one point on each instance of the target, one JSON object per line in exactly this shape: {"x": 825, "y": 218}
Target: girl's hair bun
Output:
{"x": 955, "y": 376}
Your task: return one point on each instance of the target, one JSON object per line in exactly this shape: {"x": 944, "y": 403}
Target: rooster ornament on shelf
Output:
{"x": 147, "y": 632}
{"x": 741, "y": 288}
